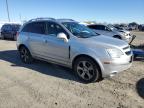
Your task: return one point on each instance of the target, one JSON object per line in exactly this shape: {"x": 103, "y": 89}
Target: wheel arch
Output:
{"x": 22, "y": 45}
{"x": 117, "y": 36}
{"x": 84, "y": 55}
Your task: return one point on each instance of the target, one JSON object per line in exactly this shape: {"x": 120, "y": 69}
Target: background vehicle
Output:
{"x": 67, "y": 43}
{"x": 9, "y": 31}
{"x": 120, "y": 29}
{"x": 107, "y": 31}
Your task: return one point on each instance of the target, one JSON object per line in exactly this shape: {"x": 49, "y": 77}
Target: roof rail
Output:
{"x": 37, "y": 19}
{"x": 66, "y": 19}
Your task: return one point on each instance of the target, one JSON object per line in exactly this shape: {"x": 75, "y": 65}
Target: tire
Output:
{"x": 117, "y": 36}
{"x": 87, "y": 70}
{"x": 25, "y": 55}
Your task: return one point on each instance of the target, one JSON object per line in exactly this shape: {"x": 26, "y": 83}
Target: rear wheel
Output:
{"x": 87, "y": 70}
{"x": 25, "y": 55}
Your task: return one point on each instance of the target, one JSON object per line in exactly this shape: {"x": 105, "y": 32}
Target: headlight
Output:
{"x": 126, "y": 34}
{"x": 115, "y": 53}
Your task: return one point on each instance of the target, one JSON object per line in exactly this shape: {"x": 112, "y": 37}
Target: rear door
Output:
{"x": 35, "y": 33}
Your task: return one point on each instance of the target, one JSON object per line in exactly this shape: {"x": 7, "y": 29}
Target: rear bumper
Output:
{"x": 9, "y": 36}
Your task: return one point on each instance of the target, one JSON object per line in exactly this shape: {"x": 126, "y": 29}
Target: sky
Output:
{"x": 109, "y": 11}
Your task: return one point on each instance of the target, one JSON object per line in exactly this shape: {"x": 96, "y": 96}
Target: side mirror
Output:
{"x": 62, "y": 36}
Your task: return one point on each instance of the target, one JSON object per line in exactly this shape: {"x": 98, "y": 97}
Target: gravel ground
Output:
{"x": 44, "y": 85}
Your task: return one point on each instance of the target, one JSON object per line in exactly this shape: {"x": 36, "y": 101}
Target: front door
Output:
{"x": 56, "y": 49}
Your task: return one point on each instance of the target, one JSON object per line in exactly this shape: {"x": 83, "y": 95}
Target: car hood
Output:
{"x": 105, "y": 41}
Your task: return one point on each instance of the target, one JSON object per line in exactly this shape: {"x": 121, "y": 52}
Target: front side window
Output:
{"x": 54, "y": 29}
{"x": 79, "y": 30}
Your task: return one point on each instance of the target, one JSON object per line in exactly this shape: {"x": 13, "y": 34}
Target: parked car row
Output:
{"x": 65, "y": 42}
{"x": 9, "y": 31}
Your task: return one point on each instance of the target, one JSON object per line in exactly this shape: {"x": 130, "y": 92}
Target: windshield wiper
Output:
{"x": 82, "y": 36}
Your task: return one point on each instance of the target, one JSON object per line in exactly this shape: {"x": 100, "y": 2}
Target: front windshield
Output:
{"x": 79, "y": 30}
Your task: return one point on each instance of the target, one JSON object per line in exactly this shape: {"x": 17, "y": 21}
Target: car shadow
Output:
{"x": 12, "y": 56}
{"x": 7, "y": 39}
{"x": 140, "y": 87}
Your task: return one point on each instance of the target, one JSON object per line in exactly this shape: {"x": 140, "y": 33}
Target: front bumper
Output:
{"x": 116, "y": 65}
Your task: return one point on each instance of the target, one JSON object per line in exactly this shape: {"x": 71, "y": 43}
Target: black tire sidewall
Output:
{"x": 29, "y": 61}
{"x": 96, "y": 76}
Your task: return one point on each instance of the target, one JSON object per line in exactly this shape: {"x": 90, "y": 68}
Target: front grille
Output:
{"x": 128, "y": 53}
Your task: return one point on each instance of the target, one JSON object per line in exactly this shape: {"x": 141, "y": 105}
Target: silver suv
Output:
{"x": 65, "y": 42}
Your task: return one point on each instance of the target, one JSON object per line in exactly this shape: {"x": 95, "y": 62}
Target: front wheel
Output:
{"x": 25, "y": 55}
{"x": 87, "y": 70}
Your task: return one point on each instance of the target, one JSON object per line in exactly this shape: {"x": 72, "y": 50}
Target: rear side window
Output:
{"x": 97, "y": 27}
{"x": 101, "y": 27}
{"x": 54, "y": 29}
{"x": 36, "y": 27}
{"x": 93, "y": 26}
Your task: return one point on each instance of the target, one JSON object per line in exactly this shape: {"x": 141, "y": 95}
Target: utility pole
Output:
{"x": 7, "y": 10}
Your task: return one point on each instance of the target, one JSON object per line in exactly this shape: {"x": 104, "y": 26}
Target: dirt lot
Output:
{"x": 44, "y": 85}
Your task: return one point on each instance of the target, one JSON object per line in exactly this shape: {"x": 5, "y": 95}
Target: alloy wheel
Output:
{"x": 85, "y": 70}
